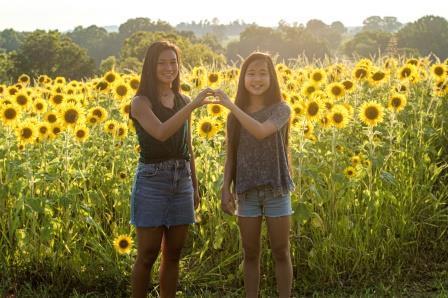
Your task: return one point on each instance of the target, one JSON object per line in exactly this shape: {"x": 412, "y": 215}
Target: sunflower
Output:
{"x": 22, "y": 100}
{"x": 91, "y": 120}
{"x": 412, "y": 61}
{"x": 402, "y": 88}
{"x": 122, "y": 175}
{"x": 39, "y": 106}
{"x": 349, "y": 108}
{"x": 99, "y": 112}
{"x": 121, "y": 131}
{"x": 43, "y": 129}
{"x": 81, "y": 133}
{"x": 390, "y": 64}
{"x": 51, "y": 117}
{"x": 9, "y": 114}
{"x": 134, "y": 83}
{"x": 56, "y": 99}
{"x": 325, "y": 121}
{"x": 298, "y": 108}
{"x": 360, "y": 73}
{"x": 309, "y": 88}
{"x": 339, "y": 116}
{"x": 397, "y": 102}
{"x": 110, "y": 126}
{"x": 308, "y": 128}
{"x": 71, "y": 115}
{"x": 213, "y": 78}
{"x": 439, "y": 71}
{"x": 59, "y": 81}
{"x": 312, "y": 138}
{"x": 24, "y": 79}
{"x": 313, "y": 109}
{"x": 350, "y": 172}
{"x": 318, "y": 76}
{"x": 406, "y": 71}
{"x": 356, "y": 160}
{"x": 335, "y": 90}
{"x": 111, "y": 76}
{"x": 102, "y": 86}
{"x": 206, "y": 127}
{"x": 55, "y": 129}
{"x": 348, "y": 85}
{"x": 12, "y": 90}
{"x": 26, "y": 132}
{"x": 185, "y": 87}
{"x": 215, "y": 110}
{"x": 120, "y": 90}
{"x": 371, "y": 113}
{"x": 2, "y": 89}
{"x": 377, "y": 78}
{"x": 125, "y": 109}
{"x": 123, "y": 244}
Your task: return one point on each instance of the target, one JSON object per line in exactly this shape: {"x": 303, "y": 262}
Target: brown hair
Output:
{"x": 148, "y": 80}
{"x": 271, "y": 96}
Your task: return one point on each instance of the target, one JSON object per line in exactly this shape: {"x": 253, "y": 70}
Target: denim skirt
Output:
{"x": 162, "y": 194}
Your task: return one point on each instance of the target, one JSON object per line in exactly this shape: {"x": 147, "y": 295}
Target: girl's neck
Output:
{"x": 256, "y": 101}
{"x": 164, "y": 89}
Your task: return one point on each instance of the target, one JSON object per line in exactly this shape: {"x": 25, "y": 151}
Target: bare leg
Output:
{"x": 250, "y": 230}
{"x": 278, "y": 228}
{"x": 173, "y": 242}
{"x": 148, "y": 247}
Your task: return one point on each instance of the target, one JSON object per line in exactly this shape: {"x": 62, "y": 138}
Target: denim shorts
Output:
{"x": 162, "y": 194}
{"x": 262, "y": 201}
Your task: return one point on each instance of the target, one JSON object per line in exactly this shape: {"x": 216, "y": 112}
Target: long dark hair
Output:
{"x": 148, "y": 79}
{"x": 271, "y": 96}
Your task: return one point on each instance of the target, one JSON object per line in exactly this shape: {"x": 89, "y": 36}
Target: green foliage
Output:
{"x": 53, "y": 54}
{"x": 192, "y": 54}
{"x": 429, "y": 35}
{"x": 367, "y": 44}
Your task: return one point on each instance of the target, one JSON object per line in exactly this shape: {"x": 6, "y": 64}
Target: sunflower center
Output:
{"x": 127, "y": 109}
{"x": 310, "y": 89}
{"x": 22, "y": 100}
{"x": 57, "y": 99}
{"x": 438, "y": 71}
{"x": 338, "y": 118}
{"x": 120, "y": 131}
{"x": 122, "y": 90}
{"x": 10, "y": 113}
{"x": 134, "y": 84}
{"x": 213, "y": 78}
{"x": 317, "y": 76}
{"x": 110, "y": 78}
{"x": 372, "y": 113}
{"x": 43, "y": 129}
{"x": 92, "y": 120}
{"x": 406, "y": 72}
{"x": 39, "y": 106}
{"x": 56, "y": 130}
{"x": 313, "y": 108}
{"x": 336, "y": 90}
{"x": 27, "y": 133}
{"x": 123, "y": 243}
{"x": 206, "y": 127}
{"x": 71, "y": 116}
{"x": 396, "y": 102}
{"x": 216, "y": 109}
{"x": 80, "y": 133}
{"x": 97, "y": 113}
{"x": 328, "y": 105}
{"x": 51, "y": 118}
{"x": 378, "y": 76}
{"x": 122, "y": 175}
{"x": 360, "y": 73}
{"x": 102, "y": 85}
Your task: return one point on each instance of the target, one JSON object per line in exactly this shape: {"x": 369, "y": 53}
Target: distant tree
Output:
{"x": 53, "y": 54}
{"x": 391, "y": 24}
{"x": 325, "y": 33}
{"x": 367, "y": 43}
{"x": 338, "y": 27}
{"x": 143, "y": 24}
{"x": 428, "y": 34}
{"x": 11, "y": 40}
{"x": 192, "y": 53}
{"x": 373, "y": 23}
{"x": 108, "y": 64}
{"x": 97, "y": 41}
{"x": 6, "y": 66}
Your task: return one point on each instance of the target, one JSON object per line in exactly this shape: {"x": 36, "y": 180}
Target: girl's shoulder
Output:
{"x": 185, "y": 99}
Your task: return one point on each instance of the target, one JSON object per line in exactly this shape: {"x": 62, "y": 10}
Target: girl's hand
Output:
{"x": 223, "y": 99}
{"x": 228, "y": 202}
{"x": 199, "y": 100}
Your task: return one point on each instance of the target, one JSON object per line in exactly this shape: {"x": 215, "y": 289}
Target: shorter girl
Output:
{"x": 257, "y": 169}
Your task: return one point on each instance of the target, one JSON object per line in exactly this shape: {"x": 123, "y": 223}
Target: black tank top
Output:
{"x": 175, "y": 147}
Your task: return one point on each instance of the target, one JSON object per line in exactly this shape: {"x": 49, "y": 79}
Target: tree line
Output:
{"x": 87, "y": 51}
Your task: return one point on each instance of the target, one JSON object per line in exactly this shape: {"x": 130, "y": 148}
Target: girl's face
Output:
{"x": 167, "y": 67}
{"x": 257, "y": 79}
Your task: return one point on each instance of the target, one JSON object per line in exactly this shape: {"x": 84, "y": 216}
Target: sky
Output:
{"x": 29, "y": 15}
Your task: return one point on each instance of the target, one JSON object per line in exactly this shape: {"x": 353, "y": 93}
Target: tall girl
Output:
{"x": 256, "y": 172}
{"x": 165, "y": 190}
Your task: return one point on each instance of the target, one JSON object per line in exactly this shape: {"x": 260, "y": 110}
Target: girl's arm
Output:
{"x": 227, "y": 198}
{"x": 197, "y": 197}
{"x": 141, "y": 110}
{"x": 257, "y": 129}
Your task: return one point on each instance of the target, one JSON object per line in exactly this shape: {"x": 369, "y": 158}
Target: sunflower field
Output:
{"x": 368, "y": 147}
